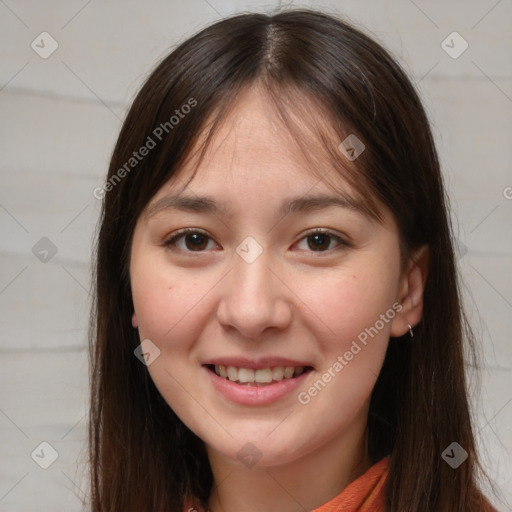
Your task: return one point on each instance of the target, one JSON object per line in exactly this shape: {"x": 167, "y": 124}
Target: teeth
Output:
{"x": 288, "y": 372}
{"x": 246, "y": 375}
{"x": 260, "y": 376}
{"x": 278, "y": 373}
{"x": 232, "y": 373}
{"x": 264, "y": 375}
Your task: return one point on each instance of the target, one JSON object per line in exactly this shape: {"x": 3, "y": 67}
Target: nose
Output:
{"x": 255, "y": 297}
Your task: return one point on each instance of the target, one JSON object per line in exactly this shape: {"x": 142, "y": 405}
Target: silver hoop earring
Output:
{"x": 410, "y": 330}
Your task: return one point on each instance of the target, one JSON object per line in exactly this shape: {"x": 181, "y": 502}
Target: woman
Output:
{"x": 277, "y": 323}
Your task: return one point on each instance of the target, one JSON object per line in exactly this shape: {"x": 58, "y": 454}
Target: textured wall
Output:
{"x": 60, "y": 114}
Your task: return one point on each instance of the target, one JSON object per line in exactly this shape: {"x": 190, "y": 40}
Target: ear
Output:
{"x": 135, "y": 322}
{"x": 411, "y": 289}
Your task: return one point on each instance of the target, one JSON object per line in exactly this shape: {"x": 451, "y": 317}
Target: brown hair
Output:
{"x": 142, "y": 457}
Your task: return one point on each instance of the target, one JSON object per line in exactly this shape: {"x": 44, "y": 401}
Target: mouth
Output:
{"x": 258, "y": 376}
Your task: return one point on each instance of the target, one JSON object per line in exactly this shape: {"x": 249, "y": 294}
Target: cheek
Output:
{"x": 168, "y": 304}
{"x": 352, "y": 321}
{"x": 346, "y": 307}
{"x": 153, "y": 299}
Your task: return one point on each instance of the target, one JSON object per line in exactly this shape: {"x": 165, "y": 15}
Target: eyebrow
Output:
{"x": 204, "y": 204}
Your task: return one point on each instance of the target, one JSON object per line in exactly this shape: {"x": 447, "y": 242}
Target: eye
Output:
{"x": 194, "y": 240}
{"x": 320, "y": 240}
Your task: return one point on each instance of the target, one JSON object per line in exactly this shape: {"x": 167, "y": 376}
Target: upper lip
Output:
{"x": 262, "y": 362}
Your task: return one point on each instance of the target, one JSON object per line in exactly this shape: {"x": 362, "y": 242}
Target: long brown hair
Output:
{"x": 142, "y": 457}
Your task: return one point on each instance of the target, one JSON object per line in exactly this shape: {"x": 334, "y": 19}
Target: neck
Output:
{"x": 304, "y": 484}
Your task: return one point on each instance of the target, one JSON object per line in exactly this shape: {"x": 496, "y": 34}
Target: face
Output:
{"x": 271, "y": 327}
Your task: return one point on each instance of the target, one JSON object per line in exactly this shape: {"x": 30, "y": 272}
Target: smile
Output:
{"x": 258, "y": 376}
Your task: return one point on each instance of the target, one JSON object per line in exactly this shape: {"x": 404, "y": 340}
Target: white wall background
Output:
{"x": 59, "y": 120}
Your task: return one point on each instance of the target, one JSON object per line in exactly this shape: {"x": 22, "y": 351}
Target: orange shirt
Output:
{"x": 365, "y": 494}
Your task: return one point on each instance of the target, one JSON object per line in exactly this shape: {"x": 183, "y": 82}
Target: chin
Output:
{"x": 261, "y": 450}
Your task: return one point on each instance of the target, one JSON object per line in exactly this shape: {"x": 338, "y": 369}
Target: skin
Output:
{"x": 292, "y": 301}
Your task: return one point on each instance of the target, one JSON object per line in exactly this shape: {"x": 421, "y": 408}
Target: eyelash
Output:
{"x": 171, "y": 242}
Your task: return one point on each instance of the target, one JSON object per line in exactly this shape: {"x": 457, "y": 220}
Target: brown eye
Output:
{"x": 194, "y": 241}
{"x": 320, "y": 241}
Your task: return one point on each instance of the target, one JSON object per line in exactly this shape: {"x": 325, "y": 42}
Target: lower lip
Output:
{"x": 255, "y": 395}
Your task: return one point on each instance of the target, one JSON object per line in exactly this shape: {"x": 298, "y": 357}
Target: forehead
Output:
{"x": 264, "y": 152}
{"x": 251, "y": 146}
